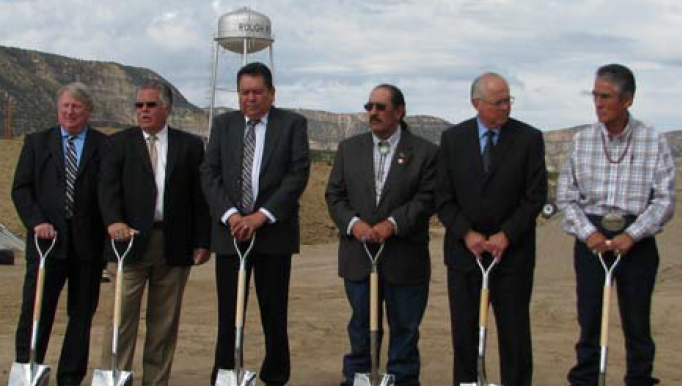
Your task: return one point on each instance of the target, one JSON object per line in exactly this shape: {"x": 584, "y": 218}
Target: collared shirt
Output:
{"x": 381, "y": 170}
{"x": 393, "y": 141}
{"x": 641, "y": 185}
{"x": 161, "y": 144}
{"x": 260, "y": 134}
{"x": 482, "y": 134}
{"x": 79, "y": 142}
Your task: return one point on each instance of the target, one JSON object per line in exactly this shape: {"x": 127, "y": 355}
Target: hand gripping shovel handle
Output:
{"x": 118, "y": 288}
{"x": 605, "y": 321}
{"x": 40, "y": 283}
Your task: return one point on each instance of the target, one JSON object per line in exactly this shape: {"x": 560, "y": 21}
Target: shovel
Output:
{"x": 115, "y": 377}
{"x": 482, "y": 380}
{"x": 239, "y": 376}
{"x": 32, "y": 373}
{"x": 373, "y": 378}
{"x": 605, "y": 322}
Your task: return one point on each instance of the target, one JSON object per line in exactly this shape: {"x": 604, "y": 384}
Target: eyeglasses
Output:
{"x": 150, "y": 105}
{"x": 509, "y": 101}
{"x": 369, "y": 106}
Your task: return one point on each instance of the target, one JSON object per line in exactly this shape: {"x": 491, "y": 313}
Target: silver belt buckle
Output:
{"x": 613, "y": 222}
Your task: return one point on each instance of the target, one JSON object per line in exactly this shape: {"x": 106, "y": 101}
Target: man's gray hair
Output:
{"x": 477, "y": 90}
{"x": 621, "y": 78}
{"x": 78, "y": 91}
{"x": 165, "y": 92}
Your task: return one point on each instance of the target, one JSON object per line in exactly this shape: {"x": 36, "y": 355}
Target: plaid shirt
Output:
{"x": 642, "y": 184}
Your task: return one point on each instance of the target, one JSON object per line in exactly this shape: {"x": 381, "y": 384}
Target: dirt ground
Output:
{"x": 319, "y": 314}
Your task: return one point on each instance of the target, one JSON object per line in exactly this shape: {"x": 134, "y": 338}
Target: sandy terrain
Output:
{"x": 319, "y": 314}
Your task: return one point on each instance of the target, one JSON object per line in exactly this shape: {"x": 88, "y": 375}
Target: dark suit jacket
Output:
{"x": 39, "y": 187}
{"x": 284, "y": 172}
{"x": 407, "y": 196}
{"x": 128, "y": 193}
{"x": 509, "y": 197}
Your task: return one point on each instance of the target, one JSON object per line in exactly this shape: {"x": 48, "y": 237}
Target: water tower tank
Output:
{"x": 244, "y": 26}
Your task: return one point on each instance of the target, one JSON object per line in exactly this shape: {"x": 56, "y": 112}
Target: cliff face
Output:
{"x": 31, "y": 79}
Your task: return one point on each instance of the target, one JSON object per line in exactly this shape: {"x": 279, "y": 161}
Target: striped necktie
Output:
{"x": 70, "y": 168}
{"x": 247, "y": 199}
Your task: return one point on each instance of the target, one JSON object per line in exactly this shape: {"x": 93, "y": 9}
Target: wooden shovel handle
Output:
{"x": 607, "y": 291}
{"x": 240, "y": 300}
{"x": 483, "y": 308}
{"x": 374, "y": 301}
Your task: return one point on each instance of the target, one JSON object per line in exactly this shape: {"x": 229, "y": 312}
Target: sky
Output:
{"x": 329, "y": 54}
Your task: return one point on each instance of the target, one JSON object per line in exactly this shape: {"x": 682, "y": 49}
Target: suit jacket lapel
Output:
{"x": 367, "y": 165}
{"x": 271, "y": 138}
{"x": 234, "y": 141}
{"x": 87, "y": 153}
{"x": 474, "y": 148}
{"x": 142, "y": 150}
{"x": 402, "y": 152}
{"x": 57, "y": 151}
{"x": 173, "y": 148}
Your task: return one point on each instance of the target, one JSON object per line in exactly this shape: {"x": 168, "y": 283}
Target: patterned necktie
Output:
{"x": 70, "y": 168}
{"x": 488, "y": 150}
{"x": 384, "y": 149}
{"x": 152, "y": 151}
{"x": 247, "y": 199}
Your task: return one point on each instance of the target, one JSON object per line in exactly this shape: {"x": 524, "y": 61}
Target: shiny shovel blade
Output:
{"x": 20, "y": 375}
{"x": 235, "y": 378}
{"x": 106, "y": 378}
{"x": 366, "y": 380}
{"x": 478, "y": 384}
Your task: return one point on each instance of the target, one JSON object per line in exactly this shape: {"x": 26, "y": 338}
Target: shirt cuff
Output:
{"x": 228, "y": 214}
{"x": 350, "y": 225}
{"x": 269, "y": 215}
{"x": 395, "y": 225}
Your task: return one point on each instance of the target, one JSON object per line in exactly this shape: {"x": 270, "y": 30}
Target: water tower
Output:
{"x": 244, "y": 32}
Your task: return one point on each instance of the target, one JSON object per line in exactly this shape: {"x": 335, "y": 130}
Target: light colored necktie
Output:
{"x": 247, "y": 199}
{"x": 384, "y": 149}
{"x": 70, "y": 168}
{"x": 152, "y": 151}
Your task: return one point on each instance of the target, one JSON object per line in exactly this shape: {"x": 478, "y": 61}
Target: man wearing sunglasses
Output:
{"x": 491, "y": 187}
{"x": 381, "y": 191}
{"x": 150, "y": 188}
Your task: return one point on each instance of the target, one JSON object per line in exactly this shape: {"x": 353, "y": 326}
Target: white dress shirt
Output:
{"x": 161, "y": 145}
{"x": 260, "y": 134}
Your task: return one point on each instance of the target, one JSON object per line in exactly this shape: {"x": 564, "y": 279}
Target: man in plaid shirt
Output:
{"x": 615, "y": 193}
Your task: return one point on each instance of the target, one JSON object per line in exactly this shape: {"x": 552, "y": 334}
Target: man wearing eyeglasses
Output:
{"x": 491, "y": 187}
{"x": 150, "y": 188}
{"x": 615, "y": 193}
{"x": 381, "y": 191}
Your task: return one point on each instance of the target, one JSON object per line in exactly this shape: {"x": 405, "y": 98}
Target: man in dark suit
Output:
{"x": 55, "y": 193}
{"x": 256, "y": 167}
{"x": 491, "y": 187}
{"x": 151, "y": 187}
{"x": 381, "y": 190}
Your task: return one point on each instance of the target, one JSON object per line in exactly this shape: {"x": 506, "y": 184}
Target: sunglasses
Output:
{"x": 150, "y": 105}
{"x": 369, "y": 106}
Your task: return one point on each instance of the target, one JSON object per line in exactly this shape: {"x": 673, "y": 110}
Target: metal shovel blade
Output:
{"x": 21, "y": 375}
{"x": 236, "y": 378}
{"x": 107, "y": 378}
{"x": 365, "y": 379}
{"x": 478, "y": 384}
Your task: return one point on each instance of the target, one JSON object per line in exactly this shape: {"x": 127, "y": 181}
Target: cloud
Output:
{"x": 330, "y": 53}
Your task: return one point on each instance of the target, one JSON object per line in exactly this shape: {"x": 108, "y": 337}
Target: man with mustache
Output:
{"x": 492, "y": 185}
{"x": 150, "y": 188}
{"x": 615, "y": 193}
{"x": 381, "y": 191}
